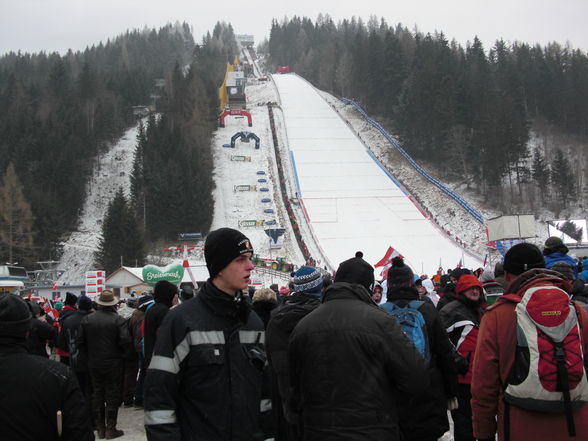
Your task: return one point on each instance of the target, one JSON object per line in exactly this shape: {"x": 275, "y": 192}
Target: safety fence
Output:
{"x": 417, "y": 167}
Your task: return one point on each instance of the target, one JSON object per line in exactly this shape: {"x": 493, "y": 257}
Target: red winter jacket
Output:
{"x": 493, "y": 363}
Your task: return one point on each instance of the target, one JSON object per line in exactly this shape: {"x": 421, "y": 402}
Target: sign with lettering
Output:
{"x": 241, "y": 158}
{"x": 173, "y": 273}
{"x": 245, "y": 188}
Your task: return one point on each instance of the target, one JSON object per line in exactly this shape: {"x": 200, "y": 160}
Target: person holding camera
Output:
{"x": 204, "y": 379}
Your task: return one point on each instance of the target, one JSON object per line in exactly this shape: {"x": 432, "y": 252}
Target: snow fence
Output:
{"x": 457, "y": 198}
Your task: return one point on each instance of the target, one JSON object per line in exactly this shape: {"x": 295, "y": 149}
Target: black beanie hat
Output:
{"x": 522, "y": 257}
{"x": 15, "y": 316}
{"x": 356, "y": 270}
{"x": 222, "y": 246}
{"x": 164, "y": 292}
{"x": 84, "y": 303}
{"x": 400, "y": 274}
{"x": 70, "y": 299}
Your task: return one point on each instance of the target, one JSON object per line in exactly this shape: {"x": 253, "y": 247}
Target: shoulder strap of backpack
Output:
{"x": 562, "y": 380}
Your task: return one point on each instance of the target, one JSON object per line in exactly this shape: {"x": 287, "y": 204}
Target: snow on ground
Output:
{"x": 232, "y": 206}
{"x": 351, "y": 202}
{"x": 111, "y": 173}
{"x": 449, "y": 215}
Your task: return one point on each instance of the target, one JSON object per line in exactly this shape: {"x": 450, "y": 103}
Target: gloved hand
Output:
{"x": 452, "y": 403}
{"x": 462, "y": 364}
{"x": 487, "y": 439}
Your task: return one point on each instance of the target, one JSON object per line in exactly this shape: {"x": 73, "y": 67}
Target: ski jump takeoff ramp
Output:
{"x": 352, "y": 203}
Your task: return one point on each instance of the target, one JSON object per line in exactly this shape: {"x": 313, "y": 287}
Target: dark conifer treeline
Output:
{"x": 171, "y": 183}
{"x": 466, "y": 109}
{"x": 122, "y": 239}
{"x": 59, "y": 112}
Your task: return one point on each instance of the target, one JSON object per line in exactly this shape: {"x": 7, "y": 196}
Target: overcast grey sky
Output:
{"x": 56, "y": 25}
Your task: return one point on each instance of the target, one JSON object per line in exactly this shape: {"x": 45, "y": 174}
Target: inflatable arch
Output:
{"x": 234, "y": 112}
{"x": 245, "y": 137}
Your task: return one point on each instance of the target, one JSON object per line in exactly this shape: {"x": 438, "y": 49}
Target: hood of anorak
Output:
{"x": 344, "y": 290}
{"x": 538, "y": 276}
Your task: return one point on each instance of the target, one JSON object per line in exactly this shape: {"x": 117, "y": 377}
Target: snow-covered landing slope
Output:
{"x": 351, "y": 202}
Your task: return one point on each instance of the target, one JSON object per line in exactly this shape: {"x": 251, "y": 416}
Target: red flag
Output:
{"x": 384, "y": 273}
{"x": 387, "y": 259}
{"x": 51, "y": 312}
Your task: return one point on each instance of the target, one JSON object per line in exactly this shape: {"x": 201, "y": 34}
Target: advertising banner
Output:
{"x": 95, "y": 283}
{"x": 173, "y": 273}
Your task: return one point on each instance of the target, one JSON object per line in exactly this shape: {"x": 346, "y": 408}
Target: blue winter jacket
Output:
{"x": 584, "y": 273}
{"x": 553, "y": 258}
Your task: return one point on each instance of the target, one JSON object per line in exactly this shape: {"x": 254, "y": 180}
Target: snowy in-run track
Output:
{"x": 351, "y": 202}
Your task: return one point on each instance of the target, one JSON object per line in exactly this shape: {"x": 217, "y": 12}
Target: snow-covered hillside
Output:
{"x": 232, "y": 207}
{"x": 111, "y": 173}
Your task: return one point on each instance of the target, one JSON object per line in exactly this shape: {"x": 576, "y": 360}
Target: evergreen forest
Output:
{"x": 61, "y": 111}
{"x": 468, "y": 113}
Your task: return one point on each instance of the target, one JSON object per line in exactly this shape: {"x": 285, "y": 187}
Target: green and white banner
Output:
{"x": 173, "y": 273}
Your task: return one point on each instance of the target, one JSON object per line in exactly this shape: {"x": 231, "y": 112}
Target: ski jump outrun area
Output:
{"x": 352, "y": 203}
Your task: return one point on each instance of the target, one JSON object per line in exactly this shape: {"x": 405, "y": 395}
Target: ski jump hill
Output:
{"x": 350, "y": 201}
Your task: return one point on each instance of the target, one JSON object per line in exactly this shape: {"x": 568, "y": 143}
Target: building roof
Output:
{"x": 129, "y": 276}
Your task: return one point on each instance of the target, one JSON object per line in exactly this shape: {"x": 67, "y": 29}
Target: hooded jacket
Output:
{"x": 551, "y": 258}
{"x": 204, "y": 380}
{"x": 494, "y": 361}
{"x": 349, "y": 363}
{"x": 424, "y": 416}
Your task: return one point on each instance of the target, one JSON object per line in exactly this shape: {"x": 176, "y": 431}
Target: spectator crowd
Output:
{"x": 498, "y": 350}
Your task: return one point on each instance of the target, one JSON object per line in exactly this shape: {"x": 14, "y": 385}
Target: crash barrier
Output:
{"x": 279, "y": 275}
{"x": 282, "y": 179}
{"x": 417, "y": 167}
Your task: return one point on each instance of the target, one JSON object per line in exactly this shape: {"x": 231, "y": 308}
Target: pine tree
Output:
{"x": 16, "y": 218}
{"x": 122, "y": 240}
{"x": 541, "y": 174}
{"x": 563, "y": 178}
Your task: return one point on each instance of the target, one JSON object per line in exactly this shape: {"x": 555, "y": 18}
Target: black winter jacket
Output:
{"x": 33, "y": 390}
{"x": 39, "y": 334}
{"x": 153, "y": 318}
{"x": 424, "y": 416}
{"x": 104, "y": 338}
{"x": 447, "y": 297}
{"x": 284, "y": 319}
{"x": 349, "y": 361}
{"x": 68, "y": 339}
{"x": 204, "y": 380}
{"x": 461, "y": 320}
